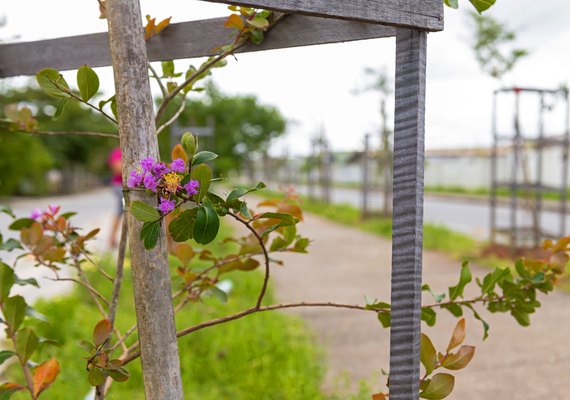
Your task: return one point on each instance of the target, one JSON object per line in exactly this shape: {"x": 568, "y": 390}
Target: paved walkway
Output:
{"x": 344, "y": 265}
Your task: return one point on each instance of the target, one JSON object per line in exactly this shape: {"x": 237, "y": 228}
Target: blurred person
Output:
{"x": 117, "y": 187}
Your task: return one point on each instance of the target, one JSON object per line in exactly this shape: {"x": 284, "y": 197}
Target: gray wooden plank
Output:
{"x": 422, "y": 14}
{"x": 183, "y": 40}
{"x": 407, "y": 214}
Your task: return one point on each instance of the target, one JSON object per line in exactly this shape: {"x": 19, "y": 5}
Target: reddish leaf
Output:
{"x": 178, "y": 152}
{"x": 458, "y": 335}
{"x": 459, "y": 360}
{"x": 379, "y": 396}
{"x": 91, "y": 234}
{"x": 44, "y": 375}
{"x": 234, "y": 21}
{"x": 101, "y": 332}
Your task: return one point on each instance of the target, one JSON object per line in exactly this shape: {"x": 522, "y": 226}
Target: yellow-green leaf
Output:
{"x": 440, "y": 386}
{"x": 428, "y": 356}
{"x": 460, "y": 359}
{"x": 88, "y": 82}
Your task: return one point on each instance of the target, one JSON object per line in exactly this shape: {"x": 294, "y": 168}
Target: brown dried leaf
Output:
{"x": 178, "y": 152}
{"x": 44, "y": 375}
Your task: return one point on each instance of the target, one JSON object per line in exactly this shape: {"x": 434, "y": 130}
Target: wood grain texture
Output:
{"x": 150, "y": 268}
{"x": 184, "y": 40}
{"x": 407, "y": 214}
{"x": 420, "y": 14}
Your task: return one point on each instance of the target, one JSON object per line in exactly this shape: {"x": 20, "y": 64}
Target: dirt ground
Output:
{"x": 345, "y": 264}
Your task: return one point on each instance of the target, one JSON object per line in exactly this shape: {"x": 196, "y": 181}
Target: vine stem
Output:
{"x": 130, "y": 357}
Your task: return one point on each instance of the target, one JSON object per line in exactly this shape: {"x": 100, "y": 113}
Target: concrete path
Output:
{"x": 344, "y": 265}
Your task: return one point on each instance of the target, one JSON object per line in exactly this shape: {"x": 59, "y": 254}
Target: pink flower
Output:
{"x": 147, "y": 164}
{"x": 53, "y": 209}
{"x": 150, "y": 182}
{"x": 160, "y": 169}
{"x": 135, "y": 179}
{"x": 36, "y": 214}
{"x": 166, "y": 205}
{"x": 192, "y": 187}
{"x": 178, "y": 165}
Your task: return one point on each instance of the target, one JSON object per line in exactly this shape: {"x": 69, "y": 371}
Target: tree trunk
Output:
{"x": 150, "y": 269}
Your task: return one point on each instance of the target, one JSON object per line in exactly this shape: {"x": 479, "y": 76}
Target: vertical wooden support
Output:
{"x": 150, "y": 270}
{"x": 365, "y": 177}
{"x": 407, "y": 214}
{"x": 494, "y": 156}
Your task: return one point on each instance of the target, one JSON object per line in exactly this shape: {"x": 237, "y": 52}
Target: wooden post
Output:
{"x": 407, "y": 214}
{"x": 150, "y": 269}
{"x": 365, "y": 176}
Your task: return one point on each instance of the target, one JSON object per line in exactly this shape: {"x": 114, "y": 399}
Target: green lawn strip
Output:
{"x": 266, "y": 356}
{"x": 436, "y": 237}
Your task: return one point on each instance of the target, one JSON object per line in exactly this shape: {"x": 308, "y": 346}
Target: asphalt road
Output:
{"x": 468, "y": 216}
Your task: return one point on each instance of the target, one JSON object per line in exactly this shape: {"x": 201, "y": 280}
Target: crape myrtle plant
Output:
{"x": 190, "y": 210}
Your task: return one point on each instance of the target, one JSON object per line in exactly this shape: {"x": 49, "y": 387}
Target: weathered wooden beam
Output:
{"x": 184, "y": 40}
{"x": 149, "y": 268}
{"x": 407, "y": 214}
{"x": 420, "y": 14}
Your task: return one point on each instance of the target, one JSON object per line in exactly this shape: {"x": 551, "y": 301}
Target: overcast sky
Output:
{"x": 314, "y": 86}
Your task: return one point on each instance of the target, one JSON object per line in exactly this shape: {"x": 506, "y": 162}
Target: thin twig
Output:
{"x": 88, "y": 286}
{"x": 155, "y": 76}
{"x": 73, "y": 133}
{"x": 265, "y": 258}
{"x": 174, "y": 117}
{"x": 123, "y": 338}
{"x": 250, "y": 311}
{"x": 119, "y": 273}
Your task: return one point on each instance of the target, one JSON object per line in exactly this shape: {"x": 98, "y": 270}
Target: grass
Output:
{"x": 269, "y": 356}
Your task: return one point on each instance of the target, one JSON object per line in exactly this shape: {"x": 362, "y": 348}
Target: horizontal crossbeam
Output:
{"x": 184, "y": 40}
{"x": 420, "y": 14}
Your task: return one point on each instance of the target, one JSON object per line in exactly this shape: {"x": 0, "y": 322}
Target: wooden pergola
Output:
{"x": 309, "y": 23}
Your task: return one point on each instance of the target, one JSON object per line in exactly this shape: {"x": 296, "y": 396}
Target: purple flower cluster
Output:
{"x": 158, "y": 177}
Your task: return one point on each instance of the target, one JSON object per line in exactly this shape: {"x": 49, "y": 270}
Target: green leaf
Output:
{"x": 278, "y": 244}
{"x": 384, "y": 318}
{"x": 491, "y": 279}
{"x": 482, "y": 5}
{"x": 10, "y": 244}
{"x": 429, "y": 316}
{"x": 203, "y": 156}
{"x": 256, "y": 36}
{"x": 259, "y": 22}
{"x": 88, "y": 82}
{"x": 96, "y": 376}
{"x": 464, "y": 278}
{"x": 168, "y": 70}
{"x": 7, "y": 210}
{"x": 452, "y": 3}
{"x": 206, "y": 226}
{"x": 53, "y": 83}
{"x": 378, "y": 305}
{"x": 239, "y": 192}
{"x": 7, "y": 280}
{"x": 437, "y": 297}
{"x": 521, "y": 316}
{"x": 14, "y": 312}
{"x": 218, "y": 293}
{"x": 483, "y": 322}
{"x": 27, "y": 343}
{"x": 203, "y": 174}
{"x": 454, "y": 309}
{"x": 149, "y": 234}
{"x": 144, "y": 212}
{"x": 60, "y": 109}
{"x": 87, "y": 346}
{"x": 119, "y": 375}
{"x": 440, "y": 386}
{"x": 182, "y": 227}
{"x": 428, "y": 355}
{"x": 21, "y": 223}
{"x": 5, "y": 354}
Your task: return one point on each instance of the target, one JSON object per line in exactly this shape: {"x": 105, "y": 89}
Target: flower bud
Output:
{"x": 190, "y": 144}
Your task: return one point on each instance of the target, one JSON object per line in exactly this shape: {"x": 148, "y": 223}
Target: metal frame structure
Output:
{"x": 518, "y": 146}
{"x": 310, "y": 22}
